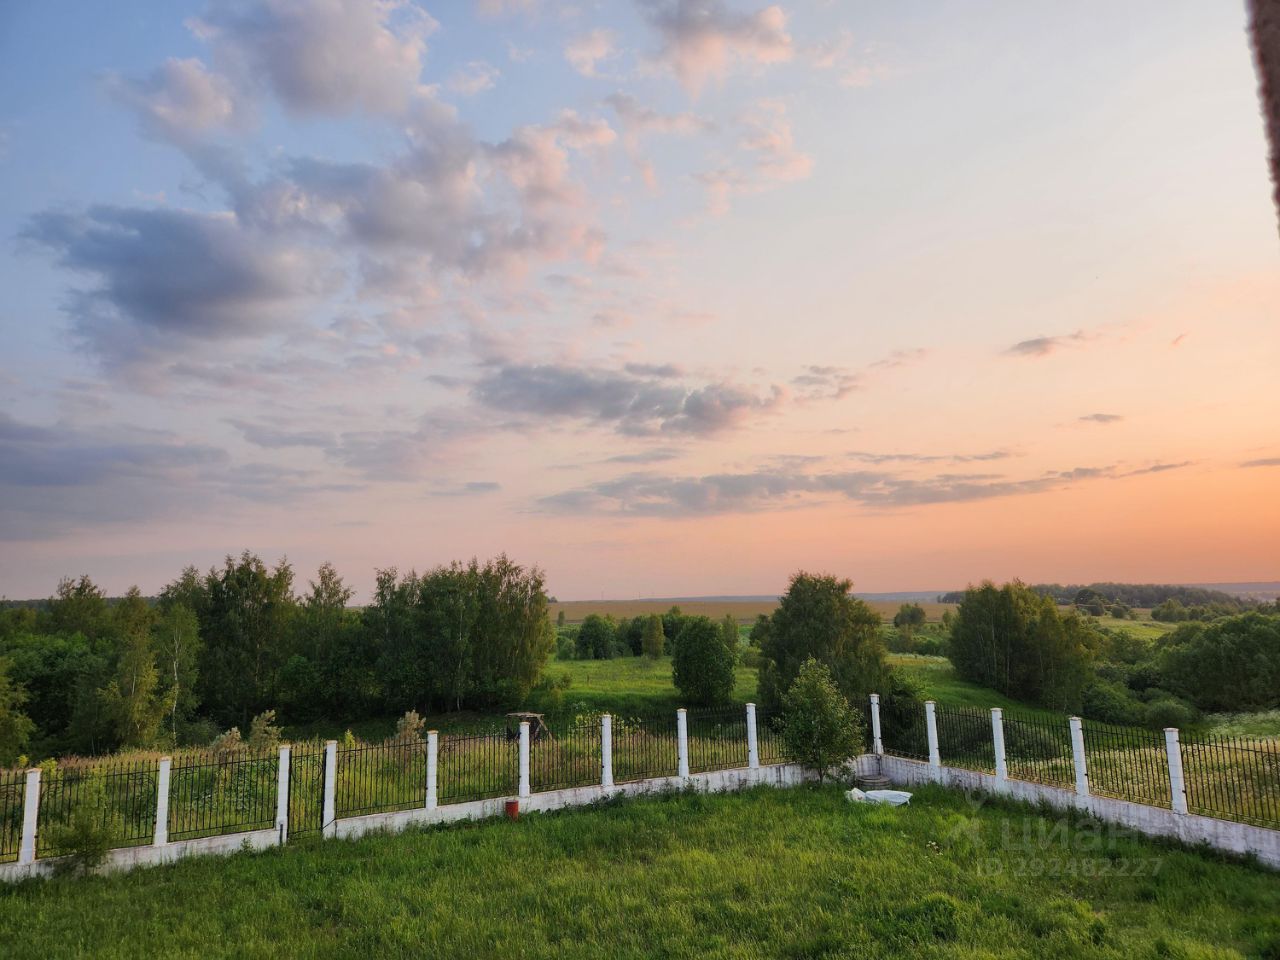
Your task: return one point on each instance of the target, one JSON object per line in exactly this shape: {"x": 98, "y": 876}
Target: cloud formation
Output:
{"x": 703, "y": 39}
{"x": 587, "y": 51}
{"x": 1103, "y": 418}
{"x": 1043, "y": 346}
{"x": 630, "y": 404}
{"x": 784, "y": 485}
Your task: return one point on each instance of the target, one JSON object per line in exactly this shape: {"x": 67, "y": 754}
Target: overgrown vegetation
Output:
{"x": 763, "y": 874}
{"x": 819, "y": 727}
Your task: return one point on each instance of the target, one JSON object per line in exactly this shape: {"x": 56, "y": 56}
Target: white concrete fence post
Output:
{"x": 433, "y": 768}
{"x": 524, "y": 758}
{"x": 753, "y": 745}
{"x": 329, "y": 818}
{"x": 1177, "y": 783}
{"x": 931, "y": 729}
{"x": 1077, "y": 753}
{"x": 997, "y": 742}
{"x": 282, "y": 793}
{"x": 682, "y": 742}
{"x": 606, "y": 751}
{"x": 877, "y": 742}
{"x": 161, "y": 835}
{"x": 30, "y": 816}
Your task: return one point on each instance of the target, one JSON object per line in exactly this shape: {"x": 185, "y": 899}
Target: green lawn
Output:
{"x": 788, "y": 873}
{"x": 632, "y": 685}
{"x": 937, "y": 680}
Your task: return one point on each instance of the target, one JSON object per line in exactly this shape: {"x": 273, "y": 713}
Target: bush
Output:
{"x": 1169, "y": 711}
{"x": 653, "y": 639}
{"x": 702, "y": 668}
{"x": 264, "y": 735}
{"x": 1033, "y": 743}
{"x": 819, "y": 728}
{"x": 1110, "y": 702}
{"x": 565, "y": 646}
{"x": 86, "y": 837}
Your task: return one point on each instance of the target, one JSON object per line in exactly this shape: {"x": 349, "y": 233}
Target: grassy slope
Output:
{"x": 794, "y": 873}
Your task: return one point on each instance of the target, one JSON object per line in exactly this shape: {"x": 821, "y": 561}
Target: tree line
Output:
{"x": 80, "y": 674}
{"x": 1017, "y": 640}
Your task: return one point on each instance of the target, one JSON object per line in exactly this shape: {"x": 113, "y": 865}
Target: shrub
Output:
{"x": 702, "y": 669}
{"x": 1169, "y": 711}
{"x": 1033, "y": 743}
{"x": 729, "y": 633}
{"x": 1110, "y": 702}
{"x": 819, "y": 728}
{"x": 86, "y": 837}
{"x": 264, "y": 735}
{"x": 409, "y": 727}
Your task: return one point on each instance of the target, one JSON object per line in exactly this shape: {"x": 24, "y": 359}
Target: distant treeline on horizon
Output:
{"x": 1130, "y": 594}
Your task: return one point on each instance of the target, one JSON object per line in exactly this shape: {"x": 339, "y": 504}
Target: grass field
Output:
{"x": 789, "y": 873}
{"x": 744, "y": 611}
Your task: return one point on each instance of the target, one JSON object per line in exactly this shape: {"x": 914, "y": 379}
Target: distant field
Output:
{"x": 744, "y": 611}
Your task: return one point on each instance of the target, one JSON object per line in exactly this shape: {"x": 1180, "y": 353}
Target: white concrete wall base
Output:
{"x": 1225, "y": 835}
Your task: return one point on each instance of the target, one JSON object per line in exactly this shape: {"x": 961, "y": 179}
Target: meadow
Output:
{"x": 766, "y": 873}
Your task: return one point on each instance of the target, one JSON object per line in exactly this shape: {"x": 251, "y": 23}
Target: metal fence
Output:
{"x": 119, "y": 796}
{"x": 13, "y": 790}
{"x": 902, "y": 728}
{"x": 1039, "y": 749}
{"x": 567, "y": 757}
{"x": 1233, "y": 778}
{"x": 769, "y": 737}
{"x": 1127, "y": 762}
{"x": 306, "y": 789}
{"x": 381, "y": 778}
{"x": 717, "y": 739}
{"x": 218, "y": 792}
{"x": 644, "y": 748}
{"x": 965, "y": 737}
{"x": 479, "y": 766}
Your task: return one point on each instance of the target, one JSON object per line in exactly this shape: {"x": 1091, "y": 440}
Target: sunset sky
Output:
{"x": 670, "y": 297}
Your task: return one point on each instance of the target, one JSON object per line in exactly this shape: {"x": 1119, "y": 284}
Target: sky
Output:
{"x": 668, "y": 297}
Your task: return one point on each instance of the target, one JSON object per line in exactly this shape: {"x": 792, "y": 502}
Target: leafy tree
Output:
{"x": 818, "y": 619}
{"x": 653, "y": 637}
{"x": 596, "y": 637}
{"x": 1014, "y": 640}
{"x": 79, "y": 607}
{"x": 702, "y": 668}
{"x": 909, "y": 615}
{"x": 176, "y": 641}
{"x": 631, "y": 635}
{"x": 729, "y": 631}
{"x": 672, "y": 623}
{"x": 560, "y": 619}
{"x": 819, "y": 728}
{"x": 133, "y": 699}
{"x": 15, "y": 726}
{"x": 246, "y": 632}
{"x": 1230, "y": 664}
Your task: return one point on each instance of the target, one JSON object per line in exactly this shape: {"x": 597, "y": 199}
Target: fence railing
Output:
{"x": 304, "y": 788}
{"x": 1231, "y": 778}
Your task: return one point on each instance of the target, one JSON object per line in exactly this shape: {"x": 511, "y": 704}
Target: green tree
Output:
{"x": 702, "y": 669}
{"x": 1229, "y": 664}
{"x": 133, "y": 699}
{"x": 79, "y": 607}
{"x": 910, "y": 615}
{"x": 817, "y": 618}
{"x": 1015, "y": 640}
{"x": 653, "y": 637}
{"x": 246, "y": 634}
{"x": 596, "y": 637}
{"x": 15, "y": 726}
{"x": 176, "y": 641}
{"x": 729, "y": 631}
{"x": 819, "y": 728}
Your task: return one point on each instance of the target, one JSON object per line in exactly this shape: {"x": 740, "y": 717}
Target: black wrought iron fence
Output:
{"x": 717, "y": 739}
{"x": 1234, "y": 778}
{"x": 215, "y": 792}
{"x": 1038, "y": 749}
{"x": 965, "y": 737}
{"x": 381, "y": 778}
{"x": 769, "y": 737}
{"x": 565, "y": 755}
{"x": 902, "y": 728}
{"x": 478, "y": 766}
{"x": 118, "y": 796}
{"x": 1127, "y": 762}
{"x": 306, "y": 789}
{"x": 644, "y": 747}
{"x": 13, "y": 792}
